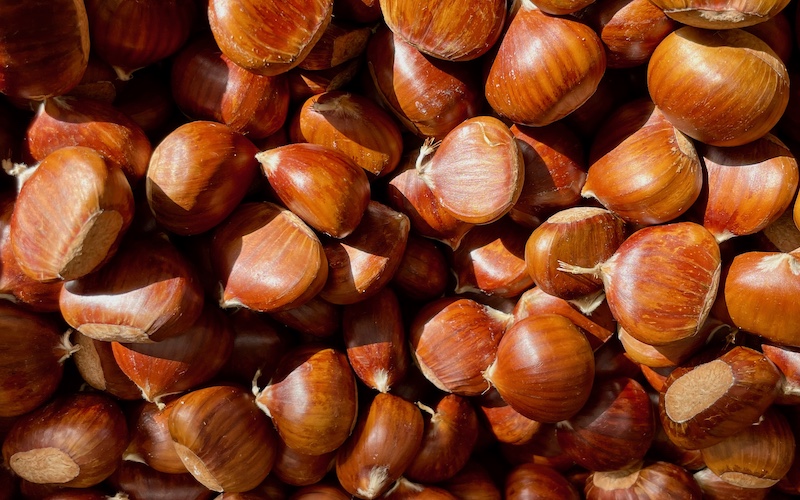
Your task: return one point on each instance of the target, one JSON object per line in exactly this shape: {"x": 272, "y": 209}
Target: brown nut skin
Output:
{"x": 581, "y": 236}
{"x": 758, "y": 456}
{"x": 146, "y": 293}
{"x": 643, "y": 481}
{"x": 741, "y": 384}
{"x": 207, "y": 85}
{"x": 224, "y": 440}
{"x": 279, "y": 246}
{"x": 150, "y": 441}
{"x": 429, "y": 96}
{"x": 449, "y": 438}
{"x": 503, "y": 422}
{"x": 613, "y": 430}
{"x": 70, "y": 215}
{"x": 538, "y": 481}
{"x": 453, "y": 32}
{"x": 137, "y": 480}
{"x": 477, "y": 172}
{"x": 544, "y": 368}
{"x": 353, "y": 124}
{"x": 668, "y": 174}
{"x": 311, "y": 399}
{"x": 268, "y": 38}
{"x": 674, "y": 306}
{"x": 454, "y": 340}
{"x": 79, "y": 121}
{"x": 383, "y": 444}
{"x": 758, "y": 292}
{"x": 321, "y": 185}
{"x": 132, "y": 34}
{"x": 181, "y": 362}
{"x": 76, "y": 440}
{"x": 197, "y": 176}
{"x": 712, "y": 15}
{"x": 739, "y": 106}
{"x": 45, "y": 48}
{"x": 32, "y": 355}
{"x": 731, "y": 205}
{"x": 375, "y": 339}
{"x": 537, "y": 91}
{"x": 98, "y": 368}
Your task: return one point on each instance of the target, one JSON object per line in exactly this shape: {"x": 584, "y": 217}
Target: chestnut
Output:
{"x": 544, "y": 68}
{"x": 45, "y": 47}
{"x": 76, "y": 440}
{"x": 449, "y": 31}
{"x": 70, "y": 215}
{"x": 538, "y": 481}
{"x": 544, "y": 368}
{"x": 311, "y": 399}
{"x": 268, "y": 38}
{"x": 32, "y": 355}
{"x": 224, "y": 440}
{"x": 643, "y": 481}
{"x": 741, "y": 103}
{"x": 738, "y": 387}
{"x": 146, "y": 293}
{"x": 383, "y": 444}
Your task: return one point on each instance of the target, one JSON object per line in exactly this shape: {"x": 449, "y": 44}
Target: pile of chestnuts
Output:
{"x": 436, "y": 249}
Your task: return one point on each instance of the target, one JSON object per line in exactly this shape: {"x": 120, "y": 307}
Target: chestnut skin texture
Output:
{"x": 76, "y": 440}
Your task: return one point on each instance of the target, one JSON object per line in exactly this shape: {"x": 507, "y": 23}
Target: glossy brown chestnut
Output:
{"x": 745, "y": 98}
{"x": 352, "y": 124}
{"x": 70, "y": 215}
{"x": 720, "y": 15}
{"x": 146, "y": 293}
{"x": 45, "y": 47}
{"x": 503, "y": 422}
{"x": 339, "y": 43}
{"x": 674, "y": 306}
{"x": 304, "y": 83}
{"x": 544, "y": 368}
{"x": 138, "y": 481}
{"x": 32, "y": 355}
{"x": 79, "y": 121}
{"x": 643, "y": 481}
{"x": 320, "y": 185}
{"x": 131, "y": 34}
{"x": 364, "y": 261}
{"x": 449, "y": 31}
{"x": 759, "y": 293}
{"x": 491, "y": 260}
{"x": 477, "y": 172}
{"x": 98, "y": 368}
{"x": 758, "y": 456}
{"x": 454, "y": 340}
{"x": 407, "y": 192}
{"x": 582, "y": 236}
{"x": 267, "y": 259}
{"x": 150, "y": 441}
{"x": 207, "y": 85}
{"x": 181, "y": 362}
{"x": 76, "y": 440}
{"x": 738, "y": 387}
{"x": 538, "y": 481}
{"x": 298, "y": 469}
{"x": 545, "y": 67}
{"x": 613, "y": 430}
{"x": 270, "y": 37}
{"x": 555, "y": 171}
{"x": 259, "y": 343}
{"x": 383, "y": 444}
{"x": 224, "y": 440}
{"x": 197, "y": 176}
{"x": 317, "y": 317}
{"x": 403, "y": 489}
{"x": 311, "y": 399}
{"x": 450, "y": 435}
{"x": 375, "y": 338}
{"x": 714, "y": 488}
{"x": 423, "y": 272}
{"x": 642, "y": 168}
{"x": 429, "y": 96}
{"x": 629, "y": 29}
{"x": 732, "y": 205}
{"x": 473, "y": 482}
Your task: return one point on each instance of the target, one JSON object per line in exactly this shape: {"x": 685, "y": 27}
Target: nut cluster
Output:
{"x": 296, "y": 249}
